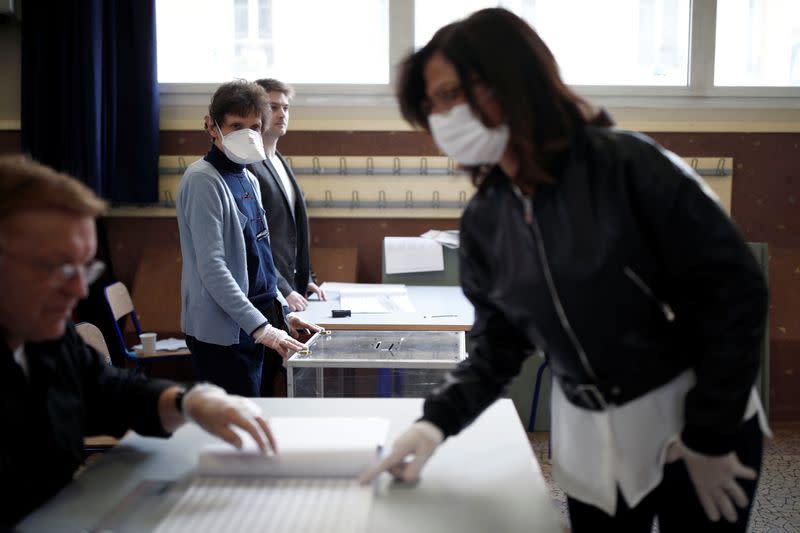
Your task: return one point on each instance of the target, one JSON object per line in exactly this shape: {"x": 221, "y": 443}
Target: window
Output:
{"x": 639, "y": 42}
{"x": 757, "y": 43}
{"x": 337, "y": 53}
{"x": 301, "y": 41}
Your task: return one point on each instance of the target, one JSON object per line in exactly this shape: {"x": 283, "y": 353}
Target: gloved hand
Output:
{"x": 278, "y": 340}
{"x": 295, "y": 323}
{"x": 714, "y": 480}
{"x": 214, "y": 410}
{"x": 420, "y": 440}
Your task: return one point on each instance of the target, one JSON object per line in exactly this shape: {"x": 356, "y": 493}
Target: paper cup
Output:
{"x": 148, "y": 343}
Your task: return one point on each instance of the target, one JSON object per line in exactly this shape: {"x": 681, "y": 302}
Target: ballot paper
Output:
{"x": 307, "y": 447}
{"x": 411, "y": 254}
{"x": 370, "y": 297}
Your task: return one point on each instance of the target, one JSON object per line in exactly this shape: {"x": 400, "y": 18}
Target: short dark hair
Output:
{"x": 271, "y": 84}
{"x": 26, "y": 184}
{"x": 497, "y": 48}
{"x": 239, "y": 97}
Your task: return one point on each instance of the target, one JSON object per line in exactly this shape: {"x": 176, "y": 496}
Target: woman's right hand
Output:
{"x": 419, "y": 441}
{"x": 278, "y": 340}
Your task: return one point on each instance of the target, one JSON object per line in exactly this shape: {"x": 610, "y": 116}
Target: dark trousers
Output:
{"x": 236, "y": 368}
{"x": 674, "y": 500}
{"x": 273, "y": 372}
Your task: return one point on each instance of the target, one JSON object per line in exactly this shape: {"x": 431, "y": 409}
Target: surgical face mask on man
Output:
{"x": 242, "y": 146}
{"x": 461, "y": 135}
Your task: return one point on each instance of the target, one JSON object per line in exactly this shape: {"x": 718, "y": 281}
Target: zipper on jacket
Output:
{"x": 669, "y": 314}
{"x": 531, "y": 221}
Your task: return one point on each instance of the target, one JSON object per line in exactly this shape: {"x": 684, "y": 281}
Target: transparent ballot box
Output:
{"x": 373, "y": 363}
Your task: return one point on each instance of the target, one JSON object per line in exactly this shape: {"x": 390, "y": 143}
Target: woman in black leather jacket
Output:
{"x": 609, "y": 254}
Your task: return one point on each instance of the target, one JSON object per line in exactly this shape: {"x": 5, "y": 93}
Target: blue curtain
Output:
{"x": 90, "y": 93}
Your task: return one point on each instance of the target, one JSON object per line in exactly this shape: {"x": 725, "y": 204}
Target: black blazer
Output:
{"x": 288, "y": 235}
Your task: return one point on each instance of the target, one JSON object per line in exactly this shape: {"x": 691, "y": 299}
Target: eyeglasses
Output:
{"x": 57, "y": 276}
{"x": 90, "y": 272}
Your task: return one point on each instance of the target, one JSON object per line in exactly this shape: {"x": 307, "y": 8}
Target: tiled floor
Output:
{"x": 777, "y": 505}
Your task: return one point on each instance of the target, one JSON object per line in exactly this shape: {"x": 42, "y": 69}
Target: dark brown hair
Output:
{"x": 497, "y": 48}
{"x": 26, "y": 184}
{"x": 271, "y": 84}
{"x": 239, "y": 97}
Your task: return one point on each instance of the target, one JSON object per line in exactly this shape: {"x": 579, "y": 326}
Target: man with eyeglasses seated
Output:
{"x": 54, "y": 388}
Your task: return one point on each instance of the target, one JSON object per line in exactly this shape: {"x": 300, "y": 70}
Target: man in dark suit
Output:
{"x": 285, "y": 206}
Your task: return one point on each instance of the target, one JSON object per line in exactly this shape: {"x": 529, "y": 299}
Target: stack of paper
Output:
{"x": 370, "y": 297}
{"x": 449, "y": 238}
{"x": 167, "y": 345}
{"x": 307, "y": 447}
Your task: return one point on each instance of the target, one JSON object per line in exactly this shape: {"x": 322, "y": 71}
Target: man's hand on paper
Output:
{"x": 214, "y": 410}
{"x": 419, "y": 441}
{"x": 714, "y": 480}
{"x": 313, "y": 288}
{"x": 278, "y": 340}
{"x": 296, "y": 302}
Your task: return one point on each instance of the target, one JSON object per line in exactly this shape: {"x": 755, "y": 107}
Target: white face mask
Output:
{"x": 461, "y": 135}
{"x": 242, "y": 146}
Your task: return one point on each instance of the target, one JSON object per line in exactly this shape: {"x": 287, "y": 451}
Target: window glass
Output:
{"x": 638, "y": 42}
{"x": 757, "y": 43}
{"x": 299, "y": 41}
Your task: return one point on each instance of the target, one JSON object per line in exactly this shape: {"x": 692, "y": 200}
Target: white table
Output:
{"x": 435, "y": 308}
{"x": 485, "y": 479}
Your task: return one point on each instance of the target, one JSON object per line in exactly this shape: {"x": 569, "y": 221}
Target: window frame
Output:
{"x": 699, "y": 93}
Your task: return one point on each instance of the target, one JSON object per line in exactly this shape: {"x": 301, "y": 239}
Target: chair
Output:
{"x": 120, "y": 305}
{"x": 92, "y": 336}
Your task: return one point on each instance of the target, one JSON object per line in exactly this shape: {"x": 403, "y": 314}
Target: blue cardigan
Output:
{"x": 214, "y": 285}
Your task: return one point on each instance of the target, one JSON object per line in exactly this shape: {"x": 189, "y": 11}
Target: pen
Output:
{"x": 441, "y": 316}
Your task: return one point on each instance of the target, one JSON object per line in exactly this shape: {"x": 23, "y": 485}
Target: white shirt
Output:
{"x": 596, "y": 451}
{"x": 285, "y": 181}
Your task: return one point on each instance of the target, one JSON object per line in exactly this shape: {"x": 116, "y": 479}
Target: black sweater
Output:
{"x": 70, "y": 393}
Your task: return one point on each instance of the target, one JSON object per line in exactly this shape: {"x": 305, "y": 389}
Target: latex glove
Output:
{"x": 420, "y": 440}
{"x": 296, "y": 323}
{"x": 714, "y": 480}
{"x": 296, "y": 302}
{"x": 313, "y": 288}
{"x": 278, "y": 340}
{"x": 214, "y": 410}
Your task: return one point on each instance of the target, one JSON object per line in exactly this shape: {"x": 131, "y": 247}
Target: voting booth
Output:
{"x": 420, "y": 260}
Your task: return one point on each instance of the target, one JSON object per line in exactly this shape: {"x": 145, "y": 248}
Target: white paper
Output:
{"x": 376, "y": 303}
{"x": 370, "y": 297}
{"x": 449, "y": 238}
{"x": 307, "y": 447}
{"x": 271, "y": 505}
{"x": 167, "y": 345}
{"x": 363, "y": 288}
{"x": 412, "y": 254}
